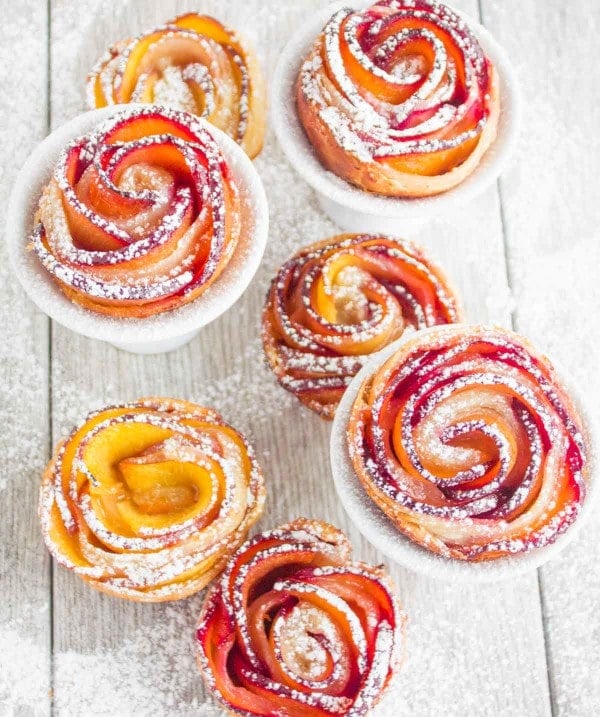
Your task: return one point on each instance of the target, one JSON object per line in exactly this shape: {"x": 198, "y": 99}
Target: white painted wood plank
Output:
{"x": 25, "y": 675}
{"x": 552, "y": 216}
{"x": 471, "y": 650}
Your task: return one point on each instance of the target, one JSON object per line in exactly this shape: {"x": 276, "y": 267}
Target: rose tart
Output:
{"x": 148, "y": 500}
{"x": 164, "y": 330}
{"x": 469, "y": 443}
{"x": 140, "y": 216}
{"x": 193, "y": 63}
{"x": 294, "y": 627}
{"x": 336, "y": 302}
{"x": 399, "y": 98}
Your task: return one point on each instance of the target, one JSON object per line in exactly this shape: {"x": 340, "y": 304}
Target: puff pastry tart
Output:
{"x": 399, "y": 98}
{"x": 294, "y": 628}
{"x": 141, "y": 216}
{"x": 469, "y": 443}
{"x": 148, "y": 500}
{"x": 193, "y": 63}
{"x": 337, "y": 301}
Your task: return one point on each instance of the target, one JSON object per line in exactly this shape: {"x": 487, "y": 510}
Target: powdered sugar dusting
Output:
{"x": 176, "y": 66}
{"x": 24, "y": 669}
{"x": 24, "y": 594}
{"x": 149, "y": 673}
{"x": 465, "y": 644}
{"x": 373, "y": 127}
{"x": 315, "y": 603}
{"x": 555, "y": 278}
{"x": 320, "y": 322}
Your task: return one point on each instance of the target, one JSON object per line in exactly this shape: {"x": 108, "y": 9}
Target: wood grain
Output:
{"x": 472, "y": 650}
{"x": 25, "y": 614}
{"x": 552, "y": 215}
{"x": 473, "y": 634}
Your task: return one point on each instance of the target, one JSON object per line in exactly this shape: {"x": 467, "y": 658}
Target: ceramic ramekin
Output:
{"x": 349, "y": 207}
{"x": 165, "y": 331}
{"x": 382, "y": 533}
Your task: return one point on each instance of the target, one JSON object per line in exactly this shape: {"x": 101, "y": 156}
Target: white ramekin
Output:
{"x": 382, "y": 533}
{"x": 156, "y": 334}
{"x": 349, "y": 207}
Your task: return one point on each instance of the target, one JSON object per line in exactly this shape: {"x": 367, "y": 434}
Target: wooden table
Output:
{"x": 525, "y": 254}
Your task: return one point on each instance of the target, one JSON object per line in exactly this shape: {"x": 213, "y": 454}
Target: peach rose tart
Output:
{"x": 148, "y": 500}
{"x": 338, "y": 301}
{"x": 470, "y": 444}
{"x": 295, "y": 628}
{"x": 140, "y": 216}
{"x": 193, "y": 63}
{"x": 399, "y": 98}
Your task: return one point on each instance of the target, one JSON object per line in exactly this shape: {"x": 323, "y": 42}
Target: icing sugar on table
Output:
{"x": 483, "y": 650}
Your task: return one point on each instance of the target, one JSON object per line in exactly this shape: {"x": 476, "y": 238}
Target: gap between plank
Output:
{"x": 514, "y": 324}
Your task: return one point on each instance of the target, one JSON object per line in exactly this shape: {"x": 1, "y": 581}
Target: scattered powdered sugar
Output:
{"x": 252, "y": 402}
{"x": 186, "y": 84}
{"x": 554, "y": 256}
{"x": 24, "y": 640}
{"x": 370, "y": 128}
{"x": 410, "y": 693}
{"x": 153, "y": 673}
{"x": 500, "y": 301}
{"x": 24, "y": 671}
{"x": 462, "y": 643}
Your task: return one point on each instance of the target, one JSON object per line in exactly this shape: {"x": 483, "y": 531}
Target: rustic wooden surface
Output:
{"x": 525, "y": 254}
